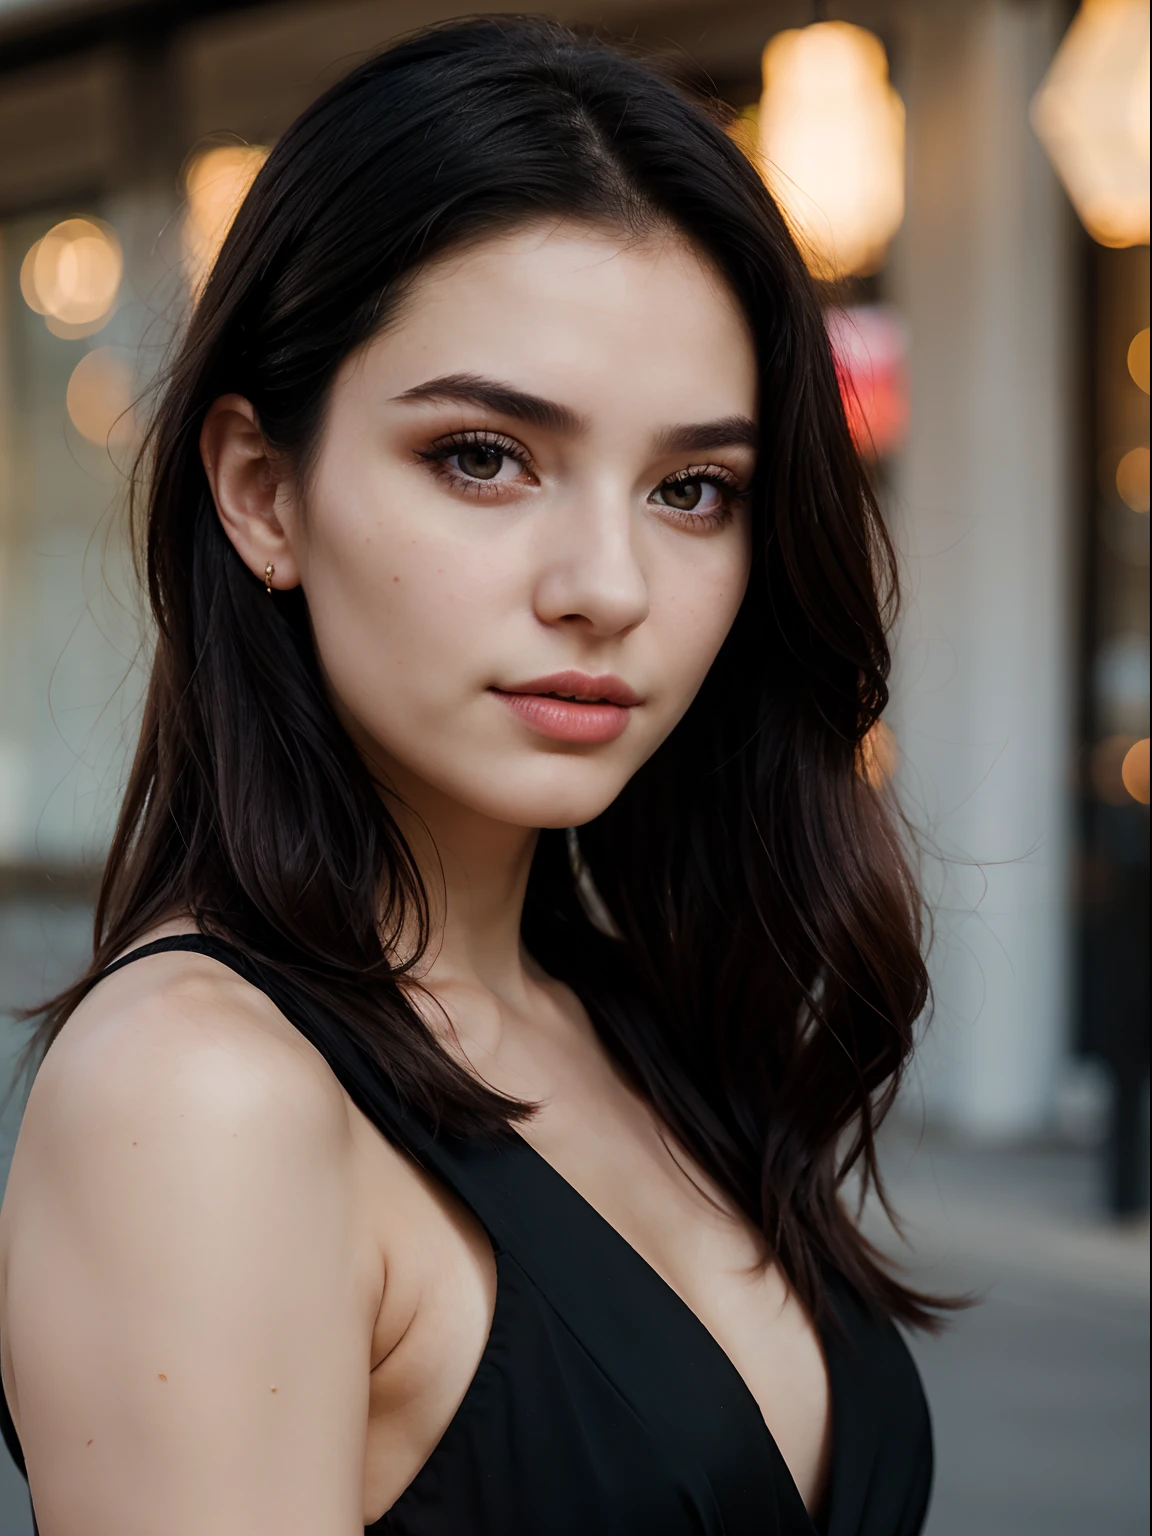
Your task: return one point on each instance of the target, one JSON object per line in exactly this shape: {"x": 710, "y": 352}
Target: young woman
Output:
{"x": 502, "y": 959}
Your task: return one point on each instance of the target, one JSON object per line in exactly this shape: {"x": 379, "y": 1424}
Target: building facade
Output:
{"x": 1022, "y": 650}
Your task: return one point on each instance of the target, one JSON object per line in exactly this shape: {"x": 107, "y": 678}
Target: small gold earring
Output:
{"x": 269, "y": 572}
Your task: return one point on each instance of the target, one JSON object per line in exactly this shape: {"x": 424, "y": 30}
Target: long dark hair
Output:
{"x": 752, "y": 957}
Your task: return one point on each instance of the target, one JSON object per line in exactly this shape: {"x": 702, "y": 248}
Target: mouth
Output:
{"x": 572, "y": 706}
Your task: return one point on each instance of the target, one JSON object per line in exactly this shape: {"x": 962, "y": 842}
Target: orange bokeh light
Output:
{"x": 1132, "y": 479}
{"x": 217, "y": 181}
{"x": 99, "y": 398}
{"x": 1138, "y": 359}
{"x": 1106, "y": 768}
{"x": 72, "y": 275}
{"x": 879, "y": 756}
{"x": 1134, "y": 771}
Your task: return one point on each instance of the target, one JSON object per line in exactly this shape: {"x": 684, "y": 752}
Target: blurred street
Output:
{"x": 1040, "y": 1411}
{"x": 974, "y": 212}
{"x": 1041, "y": 1415}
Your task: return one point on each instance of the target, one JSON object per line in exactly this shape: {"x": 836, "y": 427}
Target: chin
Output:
{"x": 526, "y": 802}
{"x": 550, "y": 812}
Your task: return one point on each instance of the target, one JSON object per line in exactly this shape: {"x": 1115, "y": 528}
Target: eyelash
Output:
{"x": 731, "y": 495}
{"x": 440, "y": 452}
{"x": 437, "y": 456}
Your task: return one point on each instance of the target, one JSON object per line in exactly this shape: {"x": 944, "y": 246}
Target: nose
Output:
{"x": 590, "y": 574}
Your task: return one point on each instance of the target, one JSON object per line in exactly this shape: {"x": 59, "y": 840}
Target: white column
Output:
{"x": 981, "y": 510}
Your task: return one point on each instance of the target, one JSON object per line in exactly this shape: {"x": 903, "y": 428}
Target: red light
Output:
{"x": 870, "y": 348}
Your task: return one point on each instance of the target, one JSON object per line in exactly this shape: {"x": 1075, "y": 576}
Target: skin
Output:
{"x": 226, "y": 1301}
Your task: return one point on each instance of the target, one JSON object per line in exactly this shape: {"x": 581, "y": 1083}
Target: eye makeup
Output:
{"x": 440, "y": 454}
{"x": 448, "y": 459}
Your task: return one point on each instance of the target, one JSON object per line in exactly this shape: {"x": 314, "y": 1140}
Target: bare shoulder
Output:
{"x": 185, "y": 1265}
{"x": 177, "y": 1058}
{"x": 181, "y": 1032}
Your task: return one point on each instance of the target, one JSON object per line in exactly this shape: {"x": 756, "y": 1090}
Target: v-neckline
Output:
{"x": 595, "y": 1215}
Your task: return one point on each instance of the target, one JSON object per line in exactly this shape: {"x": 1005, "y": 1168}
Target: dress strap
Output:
{"x": 363, "y": 1079}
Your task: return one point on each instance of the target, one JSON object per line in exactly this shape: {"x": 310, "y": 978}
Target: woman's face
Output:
{"x": 531, "y": 485}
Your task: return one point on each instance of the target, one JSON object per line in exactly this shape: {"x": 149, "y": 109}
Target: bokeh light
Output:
{"x": 1138, "y": 359}
{"x": 831, "y": 144}
{"x": 99, "y": 398}
{"x": 1132, "y": 479}
{"x": 217, "y": 181}
{"x": 1091, "y": 115}
{"x": 870, "y": 349}
{"x": 72, "y": 275}
{"x": 879, "y": 756}
{"x": 1106, "y": 768}
{"x": 1134, "y": 771}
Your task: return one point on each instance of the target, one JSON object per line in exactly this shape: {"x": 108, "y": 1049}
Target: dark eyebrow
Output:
{"x": 550, "y": 416}
{"x": 472, "y": 389}
{"x": 699, "y": 437}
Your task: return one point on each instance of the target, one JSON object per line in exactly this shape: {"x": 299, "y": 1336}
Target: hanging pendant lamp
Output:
{"x": 1091, "y": 115}
{"x": 831, "y": 144}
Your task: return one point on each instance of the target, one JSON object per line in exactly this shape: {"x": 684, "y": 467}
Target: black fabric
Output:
{"x": 601, "y": 1403}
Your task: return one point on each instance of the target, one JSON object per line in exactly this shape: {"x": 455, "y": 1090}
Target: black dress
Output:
{"x": 602, "y": 1406}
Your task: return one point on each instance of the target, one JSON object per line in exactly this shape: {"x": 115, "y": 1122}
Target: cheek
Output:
{"x": 691, "y": 614}
{"x": 396, "y": 603}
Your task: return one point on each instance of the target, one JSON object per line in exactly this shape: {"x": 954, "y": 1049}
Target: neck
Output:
{"x": 475, "y": 871}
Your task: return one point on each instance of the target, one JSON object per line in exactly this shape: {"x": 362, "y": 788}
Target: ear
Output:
{"x": 252, "y": 500}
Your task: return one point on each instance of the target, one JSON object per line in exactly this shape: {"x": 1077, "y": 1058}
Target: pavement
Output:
{"x": 1039, "y": 1391}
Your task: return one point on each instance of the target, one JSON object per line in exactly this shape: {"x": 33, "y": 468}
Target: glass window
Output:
{"x": 88, "y": 302}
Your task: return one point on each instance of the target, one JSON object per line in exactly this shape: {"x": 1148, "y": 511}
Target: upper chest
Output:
{"x": 628, "y": 1178}
{"x": 609, "y": 1147}
{"x": 608, "y": 1144}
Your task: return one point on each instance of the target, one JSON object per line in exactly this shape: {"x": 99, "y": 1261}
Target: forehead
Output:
{"x": 625, "y": 330}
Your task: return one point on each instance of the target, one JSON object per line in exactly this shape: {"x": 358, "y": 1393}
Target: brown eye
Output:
{"x": 480, "y": 461}
{"x": 683, "y": 495}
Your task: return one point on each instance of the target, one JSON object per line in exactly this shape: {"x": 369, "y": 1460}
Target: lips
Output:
{"x": 572, "y": 706}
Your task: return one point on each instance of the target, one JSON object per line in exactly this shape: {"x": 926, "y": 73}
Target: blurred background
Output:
{"x": 969, "y": 182}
